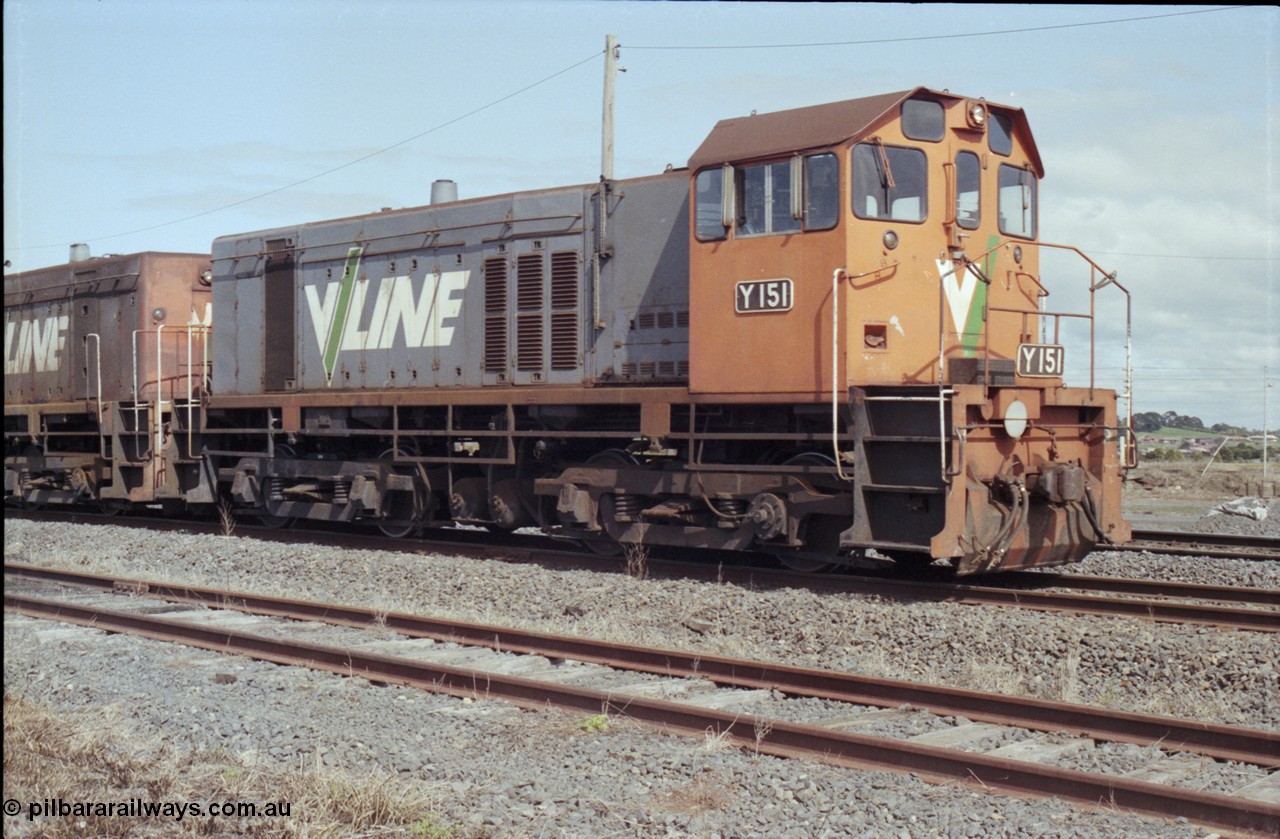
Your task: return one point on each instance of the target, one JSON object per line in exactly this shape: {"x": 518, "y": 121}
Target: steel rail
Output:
{"x": 1257, "y": 620}
{"x": 951, "y": 591}
{"x": 1255, "y": 746}
{"x": 1243, "y": 540}
{"x": 930, "y": 763}
{"x": 1231, "y": 545}
{"x": 1144, "y": 588}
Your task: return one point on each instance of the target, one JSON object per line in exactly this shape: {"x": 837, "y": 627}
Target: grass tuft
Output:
{"x": 92, "y": 756}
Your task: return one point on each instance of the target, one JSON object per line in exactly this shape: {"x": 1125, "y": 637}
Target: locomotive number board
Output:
{"x": 1040, "y": 360}
{"x": 763, "y": 296}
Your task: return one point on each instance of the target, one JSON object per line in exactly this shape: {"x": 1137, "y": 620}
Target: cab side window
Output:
{"x": 708, "y": 199}
{"x": 821, "y": 192}
{"x": 783, "y": 197}
{"x": 764, "y": 200}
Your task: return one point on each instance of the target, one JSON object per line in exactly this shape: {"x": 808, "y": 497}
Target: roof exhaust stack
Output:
{"x": 79, "y": 253}
{"x": 443, "y": 192}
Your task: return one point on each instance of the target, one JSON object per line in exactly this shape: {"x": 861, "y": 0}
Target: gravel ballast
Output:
{"x": 507, "y": 772}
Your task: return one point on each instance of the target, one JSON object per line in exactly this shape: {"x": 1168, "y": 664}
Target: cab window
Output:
{"x": 762, "y": 203}
{"x": 1000, "y": 135}
{"x": 968, "y": 190}
{"x": 923, "y": 119}
{"x": 821, "y": 191}
{"x": 708, "y": 199}
{"x": 1017, "y": 200}
{"x": 764, "y": 200}
{"x": 890, "y": 183}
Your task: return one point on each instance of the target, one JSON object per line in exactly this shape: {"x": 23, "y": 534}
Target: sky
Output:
{"x": 134, "y": 125}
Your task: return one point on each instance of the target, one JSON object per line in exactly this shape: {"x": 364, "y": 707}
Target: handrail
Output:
{"x": 97, "y": 352}
{"x": 836, "y": 387}
{"x": 191, "y": 330}
{"x": 1128, "y": 450}
{"x": 157, "y": 419}
{"x": 137, "y": 395}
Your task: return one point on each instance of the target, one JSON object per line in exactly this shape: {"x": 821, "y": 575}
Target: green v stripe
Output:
{"x": 339, "y": 323}
{"x": 973, "y": 324}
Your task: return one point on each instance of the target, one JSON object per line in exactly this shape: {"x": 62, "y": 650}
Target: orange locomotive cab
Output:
{"x": 881, "y": 256}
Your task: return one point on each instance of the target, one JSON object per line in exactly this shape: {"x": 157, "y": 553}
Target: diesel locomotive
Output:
{"x": 826, "y": 339}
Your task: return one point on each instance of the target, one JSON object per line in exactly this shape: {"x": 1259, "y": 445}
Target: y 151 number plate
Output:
{"x": 1041, "y": 360}
{"x": 763, "y": 296}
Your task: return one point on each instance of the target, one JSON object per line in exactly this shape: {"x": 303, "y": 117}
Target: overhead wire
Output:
{"x": 339, "y": 167}
{"x": 951, "y": 36}
{"x": 598, "y": 53}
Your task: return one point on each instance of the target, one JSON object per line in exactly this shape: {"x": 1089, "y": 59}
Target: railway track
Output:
{"x": 1219, "y": 606}
{"x": 1227, "y": 545}
{"x": 937, "y": 756}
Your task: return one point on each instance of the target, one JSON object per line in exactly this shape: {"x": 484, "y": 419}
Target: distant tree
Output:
{"x": 1243, "y": 451}
{"x": 1172, "y": 419}
{"x": 1147, "y": 421}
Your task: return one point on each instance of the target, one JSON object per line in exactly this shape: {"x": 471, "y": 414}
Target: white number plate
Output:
{"x": 763, "y": 296}
{"x": 1040, "y": 360}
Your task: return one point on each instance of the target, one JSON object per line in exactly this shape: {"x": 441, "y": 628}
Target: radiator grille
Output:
{"x": 564, "y": 280}
{"x": 495, "y": 320}
{"x": 529, "y": 341}
{"x": 564, "y": 315}
{"x": 564, "y": 340}
{"x": 529, "y": 282}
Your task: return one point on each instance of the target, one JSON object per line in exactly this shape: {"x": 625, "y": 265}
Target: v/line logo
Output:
{"x": 35, "y": 345}
{"x": 421, "y": 316}
{"x": 966, "y": 298}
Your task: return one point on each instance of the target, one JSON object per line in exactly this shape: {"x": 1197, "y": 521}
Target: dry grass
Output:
{"x": 703, "y": 794}
{"x": 226, "y": 517}
{"x": 91, "y": 756}
{"x": 636, "y": 555}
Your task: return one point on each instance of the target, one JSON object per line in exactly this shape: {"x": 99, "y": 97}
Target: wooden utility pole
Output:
{"x": 606, "y": 139}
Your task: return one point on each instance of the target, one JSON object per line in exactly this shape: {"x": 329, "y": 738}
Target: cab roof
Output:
{"x": 823, "y": 126}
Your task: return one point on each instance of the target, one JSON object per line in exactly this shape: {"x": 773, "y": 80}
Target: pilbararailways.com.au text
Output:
{"x": 139, "y": 808}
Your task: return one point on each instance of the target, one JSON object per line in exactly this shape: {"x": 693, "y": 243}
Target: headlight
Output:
{"x": 976, "y": 114}
{"x": 1015, "y": 419}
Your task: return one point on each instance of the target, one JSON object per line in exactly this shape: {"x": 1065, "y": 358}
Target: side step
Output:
{"x": 901, "y": 487}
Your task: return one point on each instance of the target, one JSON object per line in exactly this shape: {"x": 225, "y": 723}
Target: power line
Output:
{"x": 338, "y": 168}
{"x": 1190, "y": 256}
{"x": 930, "y": 37}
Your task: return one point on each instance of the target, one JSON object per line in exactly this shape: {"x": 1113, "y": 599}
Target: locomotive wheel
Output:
{"x": 609, "y": 458}
{"x": 400, "y": 507}
{"x": 468, "y": 504}
{"x": 114, "y": 506}
{"x": 821, "y": 533}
